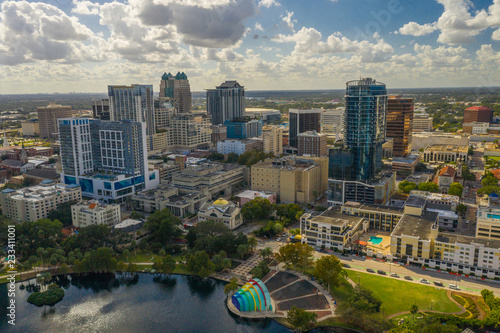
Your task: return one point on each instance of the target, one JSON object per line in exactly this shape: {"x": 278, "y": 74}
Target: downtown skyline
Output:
{"x": 84, "y": 46}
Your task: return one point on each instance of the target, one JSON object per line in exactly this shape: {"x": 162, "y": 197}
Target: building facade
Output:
{"x": 36, "y": 202}
{"x": 400, "y": 124}
{"x": 365, "y": 119}
{"x": 301, "y": 121}
{"x": 134, "y": 103}
{"x": 378, "y": 191}
{"x": 272, "y": 137}
{"x": 295, "y": 179}
{"x": 312, "y": 143}
{"x": 239, "y": 146}
{"x": 243, "y": 128}
{"x": 480, "y": 114}
{"x": 210, "y": 179}
{"x": 107, "y": 159}
{"x": 84, "y": 214}
{"x": 177, "y": 88}
{"x": 226, "y": 102}
{"x": 446, "y": 153}
{"x": 100, "y": 109}
{"x": 333, "y": 122}
{"x": 422, "y": 123}
{"x": 48, "y": 116}
{"x": 179, "y": 201}
{"x": 30, "y": 127}
{"x": 221, "y": 211}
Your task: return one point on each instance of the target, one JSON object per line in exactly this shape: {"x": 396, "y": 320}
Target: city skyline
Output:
{"x": 85, "y": 46}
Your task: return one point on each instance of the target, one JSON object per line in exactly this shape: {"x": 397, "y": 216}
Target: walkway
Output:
{"x": 244, "y": 269}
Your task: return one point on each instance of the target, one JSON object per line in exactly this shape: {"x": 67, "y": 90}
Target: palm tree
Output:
{"x": 126, "y": 253}
{"x": 252, "y": 242}
{"x": 134, "y": 244}
{"x": 266, "y": 252}
{"x": 413, "y": 310}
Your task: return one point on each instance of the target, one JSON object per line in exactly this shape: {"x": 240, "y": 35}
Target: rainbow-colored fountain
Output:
{"x": 253, "y": 296}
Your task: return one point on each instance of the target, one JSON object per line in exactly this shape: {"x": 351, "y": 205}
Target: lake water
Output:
{"x": 103, "y": 303}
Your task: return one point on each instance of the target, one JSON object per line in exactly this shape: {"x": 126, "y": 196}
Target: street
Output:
{"x": 467, "y": 285}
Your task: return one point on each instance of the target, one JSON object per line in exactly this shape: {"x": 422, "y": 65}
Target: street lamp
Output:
{"x": 432, "y": 302}
{"x": 359, "y": 280}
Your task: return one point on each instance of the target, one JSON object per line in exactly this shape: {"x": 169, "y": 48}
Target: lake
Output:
{"x": 103, "y": 303}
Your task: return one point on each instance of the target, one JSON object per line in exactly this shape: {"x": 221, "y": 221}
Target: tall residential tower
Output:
{"x": 134, "y": 102}
{"x": 226, "y": 102}
{"x": 365, "y": 117}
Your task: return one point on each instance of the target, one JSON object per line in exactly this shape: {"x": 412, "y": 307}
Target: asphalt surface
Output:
{"x": 467, "y": 285}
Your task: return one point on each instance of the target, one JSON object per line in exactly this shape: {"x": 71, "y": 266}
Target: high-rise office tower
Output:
{"x": 400, "y": 124}
{"x": 177, "y": 88}
{"x": 100, "y": 109}
{"x": 134, "y": 102}
{"x": 47, "y": 118}
{"x": 365, "y": 119}
{"x": 226, "y": 102}
{"x": 301, "y": 121}
{"x": 107, "y": 159}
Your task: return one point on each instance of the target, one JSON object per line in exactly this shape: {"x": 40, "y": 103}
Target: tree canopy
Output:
{"x": 329, "y": 270}
{"x": 199, "y": 264}
{"x": 163, "y": 225}
{"x": 300, "y": 319}
{"x": 456, "y": 189}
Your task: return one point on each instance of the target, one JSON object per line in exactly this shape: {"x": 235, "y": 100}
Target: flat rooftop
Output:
{"x": 377, "y": 208}
{"x": 416, "y": 226}
{"x": 456, "y": 238}
{"x": 415, "y": 201}
{"x": 334, "y": 216}
{"x": 448, "y": 148}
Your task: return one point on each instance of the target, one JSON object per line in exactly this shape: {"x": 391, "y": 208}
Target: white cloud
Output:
{"x": 288, "y": 20}
{"x": 85, "y": 7}
{"x": 415, "y": 29}
{"x": 308, "y": 41}
{"x": 258, "y": 26}
{"x": 38, "y": 31}
{"x": 269, "y": 3}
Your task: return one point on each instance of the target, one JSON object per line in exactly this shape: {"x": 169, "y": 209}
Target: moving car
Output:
{"x": 407, "y": 277}
{"x": 346, "y": 265}
{"x": 453, "y": 286}
{"x": 381, "y": 272}
{"x": 369, "y": 270}
{"x": 395, "y": 275}
{"x": 438, "y": 283}
{"x": 424, "y": 281}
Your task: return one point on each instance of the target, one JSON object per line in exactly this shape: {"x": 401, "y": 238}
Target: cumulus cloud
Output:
{"x": 258, "y": 27}
{"x": 457, "y": 25}
{"x": 38, "y": 31}
{"x": 269, "y": 3}
{"x": 415, "y": 29}
{"x": 209, "y": 23}
{"x": 308, "y": 41}
{"x": 85, "y": 7}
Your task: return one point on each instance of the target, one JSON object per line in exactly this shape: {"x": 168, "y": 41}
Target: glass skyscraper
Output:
{"x": 365, "y": 120}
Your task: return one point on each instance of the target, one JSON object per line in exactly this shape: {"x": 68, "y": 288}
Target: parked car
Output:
{"x": 369, "y": 270}
{"x": 395, "y": 275}
{"x": 407, "y": 277}
{"x": 438, "y": 283}
{"x": 346, "y": 265}
{"x": 381, "y": 272}
{"x": 344, "y": 254}
{"x": 453, "y": 286}
{"x": 424, "y": 281}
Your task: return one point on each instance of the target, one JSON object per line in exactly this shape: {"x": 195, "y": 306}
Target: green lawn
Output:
{"x": 496, "y": 158}
{"x": 398, "y": 295}
{"x": 142, "y": 257}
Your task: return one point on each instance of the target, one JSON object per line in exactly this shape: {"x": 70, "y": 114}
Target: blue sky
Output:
{"x": 74, "y": 45}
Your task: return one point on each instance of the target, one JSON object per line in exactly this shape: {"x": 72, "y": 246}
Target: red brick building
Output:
{"x": 480, "y": 114}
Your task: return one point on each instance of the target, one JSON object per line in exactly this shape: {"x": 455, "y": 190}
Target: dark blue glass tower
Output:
{"x": 365, "y": 117}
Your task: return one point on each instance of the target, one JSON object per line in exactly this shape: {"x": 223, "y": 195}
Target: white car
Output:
{"x": 424, "y": 281}
{"x": 394, "y": 275}
{"x": 453, "y": 286}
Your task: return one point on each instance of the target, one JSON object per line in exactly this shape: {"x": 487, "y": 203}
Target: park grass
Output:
{"x": 496, "y": 158}
{"x": 144, "y": 257}
{"x": 398, "y": 295}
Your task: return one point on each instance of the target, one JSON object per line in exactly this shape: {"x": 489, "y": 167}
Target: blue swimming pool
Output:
{"x": 375, "y": 240}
